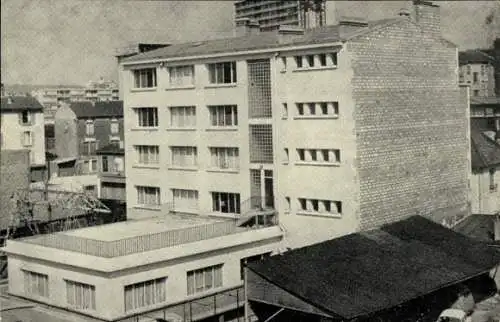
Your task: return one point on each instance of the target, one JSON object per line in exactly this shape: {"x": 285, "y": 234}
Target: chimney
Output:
{"x": 246, "y": 26}
{"x": 349, "y": 25}
{"x": 287, "y": 32}
{"x": 428, "y": 17}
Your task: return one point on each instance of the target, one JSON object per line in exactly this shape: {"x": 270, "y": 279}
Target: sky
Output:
{"x": 74, "y": 41}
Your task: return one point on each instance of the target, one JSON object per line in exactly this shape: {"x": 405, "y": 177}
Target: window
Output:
{"x": 222, "y": 73}
{"x": 89, "y": 127}
{"x": 316, "y": 61}
{"x": 205, "y": 279}
{"x": 475, "y": 92}
{"x": 148, "y": 196}
{"x": 118, "y": 164}
{"x": 89, "y": 147}
{"x": 468, "y": 69}
{"x": 183, "y": 116}
{"x": 115, "y": 126}
{"x": 475, "y": 77}
{"x": 27, "y": 138}
{"x": 147, "y": 116}
{"x": 80, "y": 295}
{"x": 147, "y": 154}
{"x": 318, "y": 109}
{"x": 320, "y": 206}
{"x": 105, "y": 164}
{"x": 36, "y": 284}
{"x": 319, "y": 155}
{"x": 145, "y": 78}
{"x": 185, "y": 199}
{"x": 288, "y": 206}
{"x": 298, "y": 61}
{"x": 93, "y": 165}
{"x": 310, "y": 60}
{"x": 181, "y": 76}
{"x": 284, "y": 111}
{"x": 283, "y": 64}
{"x": 285, "y": 155}
{"x": 25, "y": 118}
{"x": 226, "y": 202}
{"x": 223, "y": 115}
{"x": 184, "y": 156}
{"x": 493, "y": 185}
{"x": 145, "y": 294}
{"x": 225, "y": 158}
{"x": 322, "y": 59}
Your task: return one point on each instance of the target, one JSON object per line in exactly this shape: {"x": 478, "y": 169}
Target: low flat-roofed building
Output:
{"x": 138, "y": 267}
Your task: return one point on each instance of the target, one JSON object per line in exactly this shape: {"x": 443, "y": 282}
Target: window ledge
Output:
{"x": 87, "y": 139}
{"x": 144, "y": 89}
{"x": 147, "y": 207}
{"x": 315, "y": 117}
{"x": 306, "y": 69}
{"x": 223, "y": 128}
{"x": 224, "y": 170}
{"x": 318, "y": 164}
{"x": 146, "y": 166}
{"x": 284, "y": 117}
{"x": 283, "y": 71}
{"x": 181, "y": 129}
{"x": 223, "y": 85}
{"x": 284, "y": 162}
{"x": 183, "y": 168}
{"x": 224, "y": 215}
{"x": 175, "y": 88}
{"x": 318, "y": 214}
{"x": 150, "y": 129}
{"x": 186, "y": 211}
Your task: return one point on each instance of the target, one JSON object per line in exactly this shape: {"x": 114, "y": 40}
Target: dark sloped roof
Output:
{"x": 484, "y": 151}
{"x": 111, "y": 149}
{"x": 474, "y": 57}
{"x": 262, "y": 40}
{"x": 97, "y": 110}
{"x": 479, "y": 227}
{"x": 366, "y": 272}
{"x": 20, "y": 103}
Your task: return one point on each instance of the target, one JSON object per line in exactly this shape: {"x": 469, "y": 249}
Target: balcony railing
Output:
{"x": 138, "y": 244}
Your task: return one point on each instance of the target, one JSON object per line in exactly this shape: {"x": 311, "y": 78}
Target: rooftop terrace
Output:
{"x": 135, "y": 236}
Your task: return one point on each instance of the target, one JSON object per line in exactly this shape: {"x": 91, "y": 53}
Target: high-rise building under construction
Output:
{"x": 272, "y": 13}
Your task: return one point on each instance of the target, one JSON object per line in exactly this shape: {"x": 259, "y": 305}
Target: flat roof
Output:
{"x": 136, "y": 228}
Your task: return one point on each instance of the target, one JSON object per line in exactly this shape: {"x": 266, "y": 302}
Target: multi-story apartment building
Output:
{"x": 270, "y": 14}
{"x": 53, "y": 98}
{"x": 81, "y": 128}
{"x": 478, "y": 72}
{"x": 338, "y": 128}
{"x": 22, "y": 128}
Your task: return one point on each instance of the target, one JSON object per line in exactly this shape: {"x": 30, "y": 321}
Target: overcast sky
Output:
{"x": 73, "y": 41}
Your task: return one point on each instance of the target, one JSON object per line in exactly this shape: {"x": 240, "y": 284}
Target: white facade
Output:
{"x": 24, "y": 130}
{"x": 485, "y": 191}
{"x": 480, "y": 78}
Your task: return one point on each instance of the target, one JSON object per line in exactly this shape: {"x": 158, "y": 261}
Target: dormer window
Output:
{"x": 89, "y": 127}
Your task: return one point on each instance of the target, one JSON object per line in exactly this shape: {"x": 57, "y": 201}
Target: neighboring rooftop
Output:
{"x": 485, "y": 152}
{"x": 262, "y": 40}
{"x": 348, "y": 277}
{"x": 479, "y": 227}
{"x": 491, "y": 100}
{"x": 97, "y": 109}
{"x": 18, "y": 103}
{"x": 475, "y": 56}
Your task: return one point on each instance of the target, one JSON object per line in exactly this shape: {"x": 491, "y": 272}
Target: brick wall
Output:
{"x": 411, "y": 125}
{"x": 14, "y": 175}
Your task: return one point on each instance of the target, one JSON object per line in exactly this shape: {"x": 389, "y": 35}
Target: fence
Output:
{"x": 137, "y": 244}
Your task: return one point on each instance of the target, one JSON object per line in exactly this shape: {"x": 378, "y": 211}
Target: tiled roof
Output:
{"x": 478, "y": 100}
{"x": 111, "y": 149}
{"x": 98, "y": 109}
{"x": 479, "y": 227}
{"x": 262, "y": 40}
{"x": 484, "y": 151}
{"x": 20, "y": 103}
{"x": 366, "y": 272}
{"x": 474, "y": 57}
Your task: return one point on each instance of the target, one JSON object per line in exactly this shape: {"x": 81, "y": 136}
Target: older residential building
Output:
{"x": 485, "y": 149}
{"x": 81, "y": 128}
{"x": 272, "y": 14}
{"x": 477, "y": 70}
{"x": 22, "y": 128}
{"x": 338, "y": 128}
{"x": 112, "y": 172}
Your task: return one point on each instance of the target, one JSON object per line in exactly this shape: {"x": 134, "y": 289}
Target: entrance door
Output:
{"x": 268, "y": 189}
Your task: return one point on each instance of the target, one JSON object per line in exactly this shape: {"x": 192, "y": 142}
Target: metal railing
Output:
{"x": 136, "y": 244}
